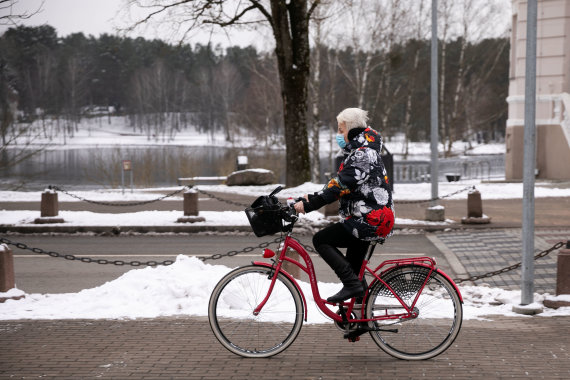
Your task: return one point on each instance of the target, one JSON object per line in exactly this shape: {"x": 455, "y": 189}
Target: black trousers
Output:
{"x": 329, "y": 239}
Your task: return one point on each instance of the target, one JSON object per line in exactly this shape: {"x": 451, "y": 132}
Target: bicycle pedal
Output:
{"x": 354, "y": 335}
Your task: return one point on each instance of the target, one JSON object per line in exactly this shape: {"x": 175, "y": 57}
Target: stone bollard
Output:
{"x": 190, "y": 207}
{"x": 7, "y": 281}
{"x": 563, "y": 271}
{"x": 290, "y": 268}
{"x": 49, "y": 208}
{"x": 7, "y": 278}
{"x": 475, "y": 210}
{"x": 190, "y": 203}
{"x": 562, "y": 278}
{"x": 435, "y": 214}
{"x": 474, "y": 205}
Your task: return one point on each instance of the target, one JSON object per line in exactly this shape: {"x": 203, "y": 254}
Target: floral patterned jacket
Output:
{"x": 361, "y": 186}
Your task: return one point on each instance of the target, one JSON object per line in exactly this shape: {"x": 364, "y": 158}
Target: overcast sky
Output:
{"x": 105, "y": 16}
{"x": 94, "y": 17}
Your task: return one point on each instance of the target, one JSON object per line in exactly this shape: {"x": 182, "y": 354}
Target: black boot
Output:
{"x": 352, "y": 285}
{"x": 352, "y": 288}
{"x": 364, "y": 287}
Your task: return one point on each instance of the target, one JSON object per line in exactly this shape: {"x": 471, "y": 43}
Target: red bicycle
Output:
{"x": 411, "y": 308}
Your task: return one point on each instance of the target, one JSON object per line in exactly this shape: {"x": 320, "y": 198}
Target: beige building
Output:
{"x": 552, "y": 89}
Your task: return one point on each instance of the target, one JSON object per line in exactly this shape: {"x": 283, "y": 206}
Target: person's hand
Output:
{"x": 299, "y": 207}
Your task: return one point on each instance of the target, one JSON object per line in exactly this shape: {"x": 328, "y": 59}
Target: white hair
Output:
{"x": 353, "y": 117}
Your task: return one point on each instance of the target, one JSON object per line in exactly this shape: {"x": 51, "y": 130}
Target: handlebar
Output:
{"x": 288, "y": 212}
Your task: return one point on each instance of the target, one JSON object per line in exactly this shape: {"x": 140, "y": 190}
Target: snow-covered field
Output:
{"x": 117, "y": 131}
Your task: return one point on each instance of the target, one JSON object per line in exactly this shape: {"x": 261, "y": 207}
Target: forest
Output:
{"x": 163, "y": 88}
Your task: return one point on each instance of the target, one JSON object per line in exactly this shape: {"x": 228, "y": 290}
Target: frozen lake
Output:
{"x": 157, "y": 166}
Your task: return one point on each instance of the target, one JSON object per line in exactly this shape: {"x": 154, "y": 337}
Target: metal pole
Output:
{"x": 529, "y": 160}
{"x": 434, "y": 104}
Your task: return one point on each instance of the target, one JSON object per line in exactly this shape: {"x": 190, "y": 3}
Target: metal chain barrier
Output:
{"x": 132, "y": 263}
{"x": 438, "y": 198}
{"x": 397, "y": 202}
{"x": 244, "y": 250}
{"x": 509, "y": 268}
{"x": 57, "y": 188}
{"x": 221, "y": 199}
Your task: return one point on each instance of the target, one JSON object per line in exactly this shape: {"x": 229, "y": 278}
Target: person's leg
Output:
{"x": 355, "y": 254}
{"x": 326, "y": 242}
{"x": 336, "y": 235}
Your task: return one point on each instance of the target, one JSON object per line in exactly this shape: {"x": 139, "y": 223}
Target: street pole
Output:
{"x": 529, "y": 160}
{"x": 434, "y": 105}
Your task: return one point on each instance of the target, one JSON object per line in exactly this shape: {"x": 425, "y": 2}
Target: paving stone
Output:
{"x": 483, "y": 251}
{"x": 515, "y": 347}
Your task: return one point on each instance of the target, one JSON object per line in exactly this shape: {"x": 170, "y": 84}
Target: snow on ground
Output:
{"x": 402, "y": 191}
{"x": 171, "y": 291}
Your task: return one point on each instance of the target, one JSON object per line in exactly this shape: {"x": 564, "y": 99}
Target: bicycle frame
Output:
{"x": 291, "y": 243}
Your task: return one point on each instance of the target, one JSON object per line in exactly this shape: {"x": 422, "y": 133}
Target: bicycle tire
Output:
{"x": 432, "y": 331}
{"x": 230, "y": 312}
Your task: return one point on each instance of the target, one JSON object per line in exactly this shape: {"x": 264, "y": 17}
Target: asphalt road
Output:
{"x": 44, "y": 274}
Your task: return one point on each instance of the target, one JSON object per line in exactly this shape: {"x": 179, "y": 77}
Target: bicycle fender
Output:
{"x": 452, "y": 283}
{"x": 292, "y": 279}
{"x": 438, "y": 271}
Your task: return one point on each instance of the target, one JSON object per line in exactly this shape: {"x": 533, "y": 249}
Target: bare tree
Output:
{"x": 420, "y": 14}
{"x": 468, "y": 21}
{"x": 261, "y": 107}
{"x": 364, "y": 22}
{"x": 373, "y": 28}
{"x": 75, "y": 84}
{"x": 227, "y": 85}
{"x": 9, "y": 16}
{"x": 289, "y": 22}
{"x": 323, "y": 19}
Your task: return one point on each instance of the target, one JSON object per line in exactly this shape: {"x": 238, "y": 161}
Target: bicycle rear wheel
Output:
{"x": 439, "y": 309}
{"x": 231, "y": 317}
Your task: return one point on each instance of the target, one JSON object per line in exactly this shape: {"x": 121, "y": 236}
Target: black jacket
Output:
{"x": 361, "y": 186}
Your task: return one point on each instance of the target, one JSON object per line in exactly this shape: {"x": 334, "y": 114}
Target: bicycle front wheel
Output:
{"x": 231, "y": 307}
{"x": 438, "y": 307}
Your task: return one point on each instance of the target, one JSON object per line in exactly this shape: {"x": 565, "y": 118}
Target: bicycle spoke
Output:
{"x": 238, "y": 329}
{"x": 438, "y": 312}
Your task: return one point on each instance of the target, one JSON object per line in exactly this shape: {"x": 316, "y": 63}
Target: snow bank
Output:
{"x": 184, "y": 288}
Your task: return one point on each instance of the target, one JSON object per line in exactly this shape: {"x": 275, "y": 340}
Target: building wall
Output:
{"x": 552, "y": 80}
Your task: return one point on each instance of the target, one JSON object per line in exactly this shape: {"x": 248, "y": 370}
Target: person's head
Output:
{"x": 351, "y": 118}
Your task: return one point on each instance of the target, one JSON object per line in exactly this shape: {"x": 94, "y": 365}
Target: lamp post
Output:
{"x": 529, "y": 160}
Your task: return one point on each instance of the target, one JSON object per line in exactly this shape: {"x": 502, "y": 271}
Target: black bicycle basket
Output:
{"x": 265, "y": 216}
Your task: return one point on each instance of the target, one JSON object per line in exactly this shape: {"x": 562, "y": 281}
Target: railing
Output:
{"x": 411, "y": 171}
{"x": 419, "y": 171}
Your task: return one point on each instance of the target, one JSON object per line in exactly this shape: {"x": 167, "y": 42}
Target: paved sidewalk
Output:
{"x": 483, "y": 251}
{"x": 533, "y": 348}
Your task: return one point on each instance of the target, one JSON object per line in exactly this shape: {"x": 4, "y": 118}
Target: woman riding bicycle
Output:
{"x": 366, "y": 206}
